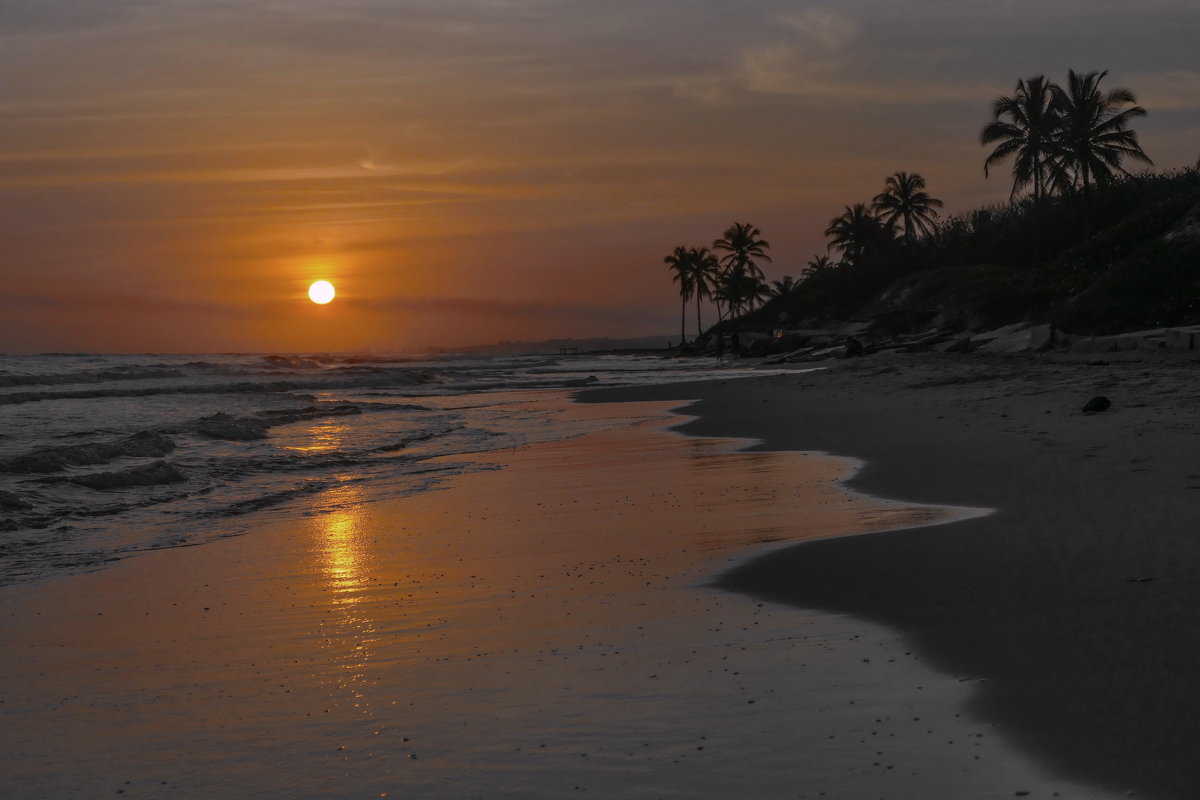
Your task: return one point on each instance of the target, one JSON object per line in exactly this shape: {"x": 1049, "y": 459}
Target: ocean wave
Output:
{"x": 292, "y": 362}
{"x": 100, "y": 376}
{"x": 156, "y": 473}
{"x": 420, "y": 437}
{"x": 365, "y": 380}
{"x": 147, "y": 444}
{"x": 250, "y": 505}
{"x": 244, "y": 429}
{"x": 323, "y": 360}
{"x": 11, "y": 501}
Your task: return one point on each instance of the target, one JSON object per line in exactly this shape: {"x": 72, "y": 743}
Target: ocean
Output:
{"x": 102, "y": 456}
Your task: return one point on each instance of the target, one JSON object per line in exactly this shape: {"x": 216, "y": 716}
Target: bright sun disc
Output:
{"x": 321, "y": 292}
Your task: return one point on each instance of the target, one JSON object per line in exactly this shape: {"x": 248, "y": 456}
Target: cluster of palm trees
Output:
{"x": 904, "y": 209}
{"x": 735, "y": 281}
{"x": 732, "y": 279}
{"x": 1063, "y": 139}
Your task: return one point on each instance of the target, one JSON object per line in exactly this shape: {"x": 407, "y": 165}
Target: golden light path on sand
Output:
{"x": 349, "y": 631}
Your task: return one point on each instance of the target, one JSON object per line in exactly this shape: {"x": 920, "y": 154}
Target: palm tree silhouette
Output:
{"x": 742, "y": 292}
{"x": 741, "y": 245}
{"x": 1094, "y": 136}
{"x": 855, "y": 232}
{"x": 679, "y": 262}
{"x": 704, "y": 269}
{"x": 816, "y": 266}
{"x": 904, "y": 199}
{"x": 756, "y": 291}
{"x": 781, "y": 287}
{"x": 1024, "y": 126}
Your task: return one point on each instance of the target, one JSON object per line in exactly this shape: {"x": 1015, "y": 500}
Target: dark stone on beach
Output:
{"x": 1096, "y": 405}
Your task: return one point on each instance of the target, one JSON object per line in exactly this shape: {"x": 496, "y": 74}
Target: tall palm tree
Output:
{"x": 703, "y": 269}
{"x": 742, "y": 245}
{"x": 679, "y": 262}
{"x": 905, "y": 200}
{"x": 856, "y": 232}
{"x": 1094, "y": 135}
{"x": 1023, "y": 126}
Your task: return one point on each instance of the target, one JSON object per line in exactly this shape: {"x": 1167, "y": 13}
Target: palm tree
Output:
{"x": 1094, "y": 136}
{"x": 679, "y": 262}
{"x": 1023, "y": 126}
{"x": 855, "y": 232}
{"x": 741, "y": 245}
{"x": 782, "y": 287}
{"x": 703, "y": 268}
{"x": 756, "y": 291}
{"x": 904, "y": 199}
{"x": 742, "y": 292}
{"x": 817, "y": 265}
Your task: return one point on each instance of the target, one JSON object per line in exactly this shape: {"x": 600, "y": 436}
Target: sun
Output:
{"x": 321, "y": 292}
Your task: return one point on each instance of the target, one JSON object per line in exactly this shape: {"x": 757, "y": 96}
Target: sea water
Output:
{"x": 102, "y": 456}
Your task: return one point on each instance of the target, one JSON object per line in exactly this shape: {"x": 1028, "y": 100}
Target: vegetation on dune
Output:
{"x": 1083, "y": 243}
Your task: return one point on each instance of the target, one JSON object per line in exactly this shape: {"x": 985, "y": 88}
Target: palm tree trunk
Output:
{"x": 683, "y": 322}
{"x": 699, "y": 328}
{"x": 1037, "y": 215}
{"x": 1087, "y": 189}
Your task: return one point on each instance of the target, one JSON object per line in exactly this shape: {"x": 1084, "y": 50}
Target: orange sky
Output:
{"x": 173, "y": 175}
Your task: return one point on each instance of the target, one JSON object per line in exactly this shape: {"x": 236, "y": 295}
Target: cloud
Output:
{"x": 125, "y": 304}
{"x": 40, "y": 16}
{"x": 828, "y": 28}
{"x": 782, "y": 69}
{"x": 1173, "y": 90}
{"x": 513, "y": 309}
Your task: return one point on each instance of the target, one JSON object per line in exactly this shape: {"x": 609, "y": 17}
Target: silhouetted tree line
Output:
{"x": 1067, "y": 145}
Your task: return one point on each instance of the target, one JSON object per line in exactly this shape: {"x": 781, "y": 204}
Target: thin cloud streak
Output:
{"x": 513, "y": 309}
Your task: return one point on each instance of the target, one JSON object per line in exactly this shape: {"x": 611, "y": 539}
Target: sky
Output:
{"x": 174, "y": 173}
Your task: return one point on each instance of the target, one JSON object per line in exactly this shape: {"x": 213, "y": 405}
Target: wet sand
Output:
{"x": 1075, "y": 607}
{"x": 547, "y": 628}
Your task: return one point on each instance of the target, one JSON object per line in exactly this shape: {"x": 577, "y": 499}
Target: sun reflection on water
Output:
{"x": 322, "y": 437}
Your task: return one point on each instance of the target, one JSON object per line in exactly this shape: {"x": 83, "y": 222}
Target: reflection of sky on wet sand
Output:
{"x": 531, "y": 629}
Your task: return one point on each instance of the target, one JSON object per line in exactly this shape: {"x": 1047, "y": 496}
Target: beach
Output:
{"x": 732, "y": 602}
{"x": 1075, "y": 605}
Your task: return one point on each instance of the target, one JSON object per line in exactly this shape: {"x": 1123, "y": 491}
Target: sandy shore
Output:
{"x": 542, "y": 629}
{"x": 1076, "y": 607}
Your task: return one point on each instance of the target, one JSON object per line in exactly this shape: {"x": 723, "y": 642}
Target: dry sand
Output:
{"x": 541, "y": 630}
{"x": 1076, "y": 606}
